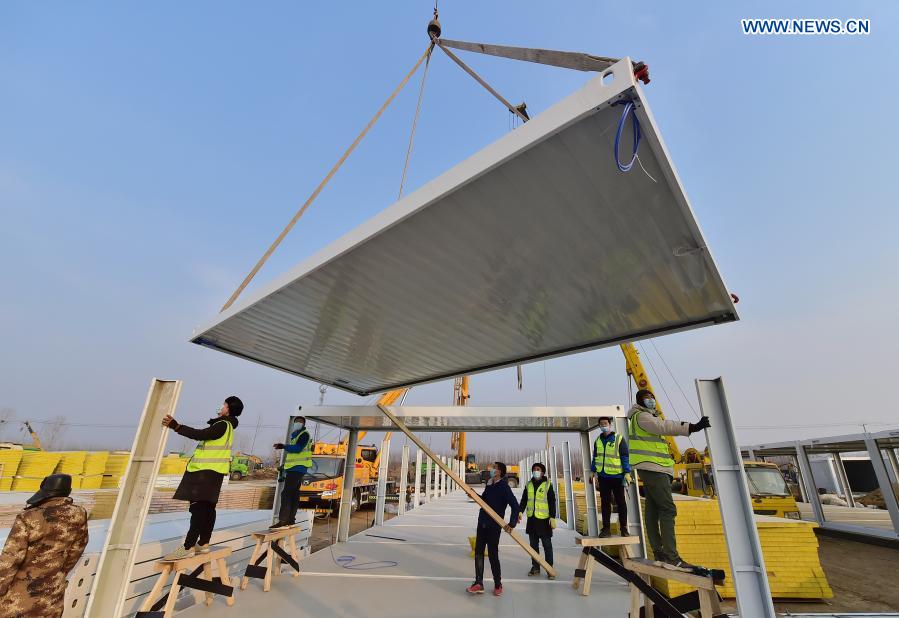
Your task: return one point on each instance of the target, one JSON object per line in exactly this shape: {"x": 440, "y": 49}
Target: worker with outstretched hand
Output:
{"x": 611, "y": 472}
{"x": 498, "y": 495}
{"x": 539, "y": 502}
{"x": 651, "y": 458}
{"x": 45, "y": 543}
{"x": 206, "y": 470}
{"x": 297, "y": 461}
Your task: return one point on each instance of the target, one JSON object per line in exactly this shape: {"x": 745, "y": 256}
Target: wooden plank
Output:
{"x": 274, "y": 535}
{"x": 638, "y": 565}
{"x": 468, "y": 490}
{"x": 130, "y": 513}
{"x": 595, "y": 541}
{"x": 192, "y": 562}
{"x": 566, "y": 60}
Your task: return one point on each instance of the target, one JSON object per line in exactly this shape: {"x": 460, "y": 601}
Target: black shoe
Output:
{"x": 605, "y": 533}
{"x": 278, "y": 525}
{"x": 534, "y": 571}
{"x": 679, "y": 563}
{"x": 624, "y": 531}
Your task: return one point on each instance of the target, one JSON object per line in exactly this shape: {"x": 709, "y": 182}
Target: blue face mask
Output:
{"x": 649, "y": 403}
{"x": 493, "y": 473}
{"x": 606, "y": 429}
{"x": 537, "y": 474}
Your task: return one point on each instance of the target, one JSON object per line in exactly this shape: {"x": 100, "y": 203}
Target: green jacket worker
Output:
{"x": 650, "y": 457}
{"x": 206, "y": 470}
{"x": 297, "y": 462}
{"x": 538, "y": 502}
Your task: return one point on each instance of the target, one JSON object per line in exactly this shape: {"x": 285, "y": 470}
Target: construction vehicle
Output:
{"x": 693, "y": 471}
{"x": 35, "y": 441}
{"x": 243, "y": 465}
{"x": 322, "y": 486}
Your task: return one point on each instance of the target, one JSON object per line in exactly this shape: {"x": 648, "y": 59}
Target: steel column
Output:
{"x": 589, "y": 491}
{"x": 808, "y": 481}
{"x": 843, "y": 478}
{"x": 555, "y": 481}
{"x": 883, "y": 479}
{"x": 744, "y": 549}
{"x": 428, "y": 485}
{"x": 631, "y": 493}
{"x": 570, "y": 515}
{"x": 346, "y": 496}
{"x": 416, "y": 489}
{"x": 894, "y": 463}
{"x": 404, "y": 481}
{"x": 381, "y": 498}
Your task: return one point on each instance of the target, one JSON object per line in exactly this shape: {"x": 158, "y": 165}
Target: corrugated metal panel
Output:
{"x": 536, "y": 246}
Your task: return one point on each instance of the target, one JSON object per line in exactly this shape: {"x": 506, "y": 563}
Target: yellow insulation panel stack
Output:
{"x": 72, "y": 463}
{"x": 9, "y": 465}
{"x": 173, "y": 464}
{"x": 35, "y": 465}
{"x": 115, "y": 468}
{"x": 94, "y": 465}
{"x": 790, "y": 548}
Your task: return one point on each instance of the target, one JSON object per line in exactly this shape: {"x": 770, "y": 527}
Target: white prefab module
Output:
{"x": 536, "y": 246}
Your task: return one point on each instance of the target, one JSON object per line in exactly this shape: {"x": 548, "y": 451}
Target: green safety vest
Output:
{"x": 215, "y": 454}
{"x": 303, "y": 458}
{"x": 608, "y": 462}
{"x": 538, "y": 506}
{"x": 647, "y": 447}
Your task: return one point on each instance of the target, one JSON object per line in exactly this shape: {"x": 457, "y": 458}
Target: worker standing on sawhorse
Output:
{"x": 297, "y": 461}
{"x": 650, "y": 457}
{"x": 208, "y": 466}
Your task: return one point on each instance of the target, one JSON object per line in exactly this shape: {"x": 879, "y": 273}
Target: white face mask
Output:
{"x": 537, "y": 474}
{"x": 649, "y": 403}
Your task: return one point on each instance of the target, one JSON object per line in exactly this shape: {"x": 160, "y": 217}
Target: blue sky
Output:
{"x": 150, "y": 153}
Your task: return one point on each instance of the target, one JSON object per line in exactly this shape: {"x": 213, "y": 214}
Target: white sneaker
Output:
{"x": 179, "y": 554}
{"x": 203, "y": 549}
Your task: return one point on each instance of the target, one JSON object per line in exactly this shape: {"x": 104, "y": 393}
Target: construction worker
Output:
{"x": 539, "y": 502}
{"x": 297, "y": 461}
{"x": 498, "y": 495}
{"x": 206, "y": 470}
{"x": 611, "y": 472}
{"x": 650, "y": 457}
{"x": 45, "y": 543}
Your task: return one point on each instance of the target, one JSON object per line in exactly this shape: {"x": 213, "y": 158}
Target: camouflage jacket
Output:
{"x": 44, "y": 544}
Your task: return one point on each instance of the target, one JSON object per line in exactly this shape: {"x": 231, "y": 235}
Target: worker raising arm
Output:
{"x": 297, "y": 461}
{"x": 202, "y": 481}
{"x": 650, "y": 457}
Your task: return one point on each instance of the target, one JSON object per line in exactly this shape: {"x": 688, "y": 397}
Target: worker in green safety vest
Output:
{"x": 538, "y": 501}
{"x": 611, "y": 471}
{"x": 206, "y": 470}
{"x": 651, "y": 458}
{"x": 297, "y": 462}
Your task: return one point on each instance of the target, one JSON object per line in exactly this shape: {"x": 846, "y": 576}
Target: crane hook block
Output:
{"x": 434, "y": 28}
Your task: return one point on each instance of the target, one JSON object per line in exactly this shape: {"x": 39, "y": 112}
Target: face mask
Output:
{"x": 493, "y": 473}
{"x": 649, "y": 403}
{"x": 537, "y": 474}
{"x": 606, "y": 428}
{"x": 299, "y": 426}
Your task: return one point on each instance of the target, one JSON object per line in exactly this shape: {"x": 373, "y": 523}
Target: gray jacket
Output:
{"x": 651, "y": 422}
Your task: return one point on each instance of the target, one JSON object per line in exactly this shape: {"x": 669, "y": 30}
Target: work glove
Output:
{"x": 627, "y": 479}
{"x": 552, "y": 523}
{"x": 702, "y": 424}
{"x": 278, "y": 446}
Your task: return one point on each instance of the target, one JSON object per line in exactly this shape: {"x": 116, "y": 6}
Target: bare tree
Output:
{"x": 7, "y": 417}
{"x": 53, "y": 433}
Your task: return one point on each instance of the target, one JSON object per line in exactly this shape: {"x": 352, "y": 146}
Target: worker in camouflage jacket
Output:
{"x": 45, "y": 543}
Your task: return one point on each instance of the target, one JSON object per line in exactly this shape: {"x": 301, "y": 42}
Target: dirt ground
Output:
{"x": 862, "y": 576}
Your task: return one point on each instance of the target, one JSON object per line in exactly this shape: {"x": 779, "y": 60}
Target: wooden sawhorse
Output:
{"x": 709, "y": 605}
{"x": 268, "y": 548}
{"x": 197, "y": 563}
{"x": 584, "y": 569}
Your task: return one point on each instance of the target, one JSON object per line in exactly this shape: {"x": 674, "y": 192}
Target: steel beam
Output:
{"x": 747, "y": 564}
{"x": 883, "y": 480}
{"x": 404, "y": 481}
{"x": 894, "y": 463}
{"x": 346, "y": 495}
{"x": 570, "y": 514}
{"x": 808, "y": 481}
{"x": 130, "y": 513}
{"x": 843, "y": 478}
{"x": 589, "y": 490}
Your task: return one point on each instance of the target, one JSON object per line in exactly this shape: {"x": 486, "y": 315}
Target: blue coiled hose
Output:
{"x": 628, "y": 109}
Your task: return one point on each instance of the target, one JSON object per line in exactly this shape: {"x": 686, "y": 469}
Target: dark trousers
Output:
{"x": 290, "y": 497}
{"x": 487, "y": 538}
{"x": 659, "y": 514}
{"x": 547, "y": 548}
{"x": 609, "y": 487}
{"x": 202, "y": 522}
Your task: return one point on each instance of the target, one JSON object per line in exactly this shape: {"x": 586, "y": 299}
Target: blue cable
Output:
{"x": 628, "y": 109}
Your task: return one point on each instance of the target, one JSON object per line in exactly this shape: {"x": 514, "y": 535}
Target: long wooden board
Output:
{"x": 468, "y": 490}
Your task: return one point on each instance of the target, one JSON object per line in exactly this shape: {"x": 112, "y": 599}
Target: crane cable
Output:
{"x": 421, "y": 92}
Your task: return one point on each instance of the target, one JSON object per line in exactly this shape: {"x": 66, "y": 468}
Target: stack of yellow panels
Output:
{"x": 580, "y": 504}
{"x": 115, "y": 468}
{"x": 94, "y": 465}
{"x": 173, "y": 464}
{"x": 35, "y": 465}
{"x": 9, "y": 465}
{"x": 790, "y": 548}
{"x": 72, "y": 463}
